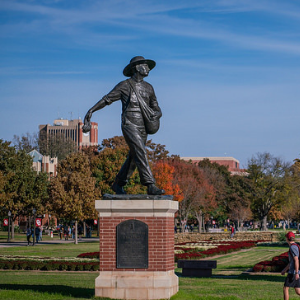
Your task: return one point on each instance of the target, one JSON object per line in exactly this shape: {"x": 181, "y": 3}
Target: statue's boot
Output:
{"x": 152, "y": 189}
{"x": 118, "y": 189}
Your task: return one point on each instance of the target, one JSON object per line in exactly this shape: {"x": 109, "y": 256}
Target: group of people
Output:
{"x": 31, "y": 232}
{"x": 67, "y": 232}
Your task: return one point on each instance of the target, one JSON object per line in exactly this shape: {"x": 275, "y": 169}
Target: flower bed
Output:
{"x": 198, "y": 250}
{"x": 89, "y": 255}
{"x": 195, "y": 250}
{"x": 277, "y": 264}
{"x": 48, "y": 263}
{"x": 90, "y": 261}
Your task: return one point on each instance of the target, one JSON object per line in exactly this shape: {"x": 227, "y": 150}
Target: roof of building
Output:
{"x": 210, "y": 158}
{"x": 36, "y": 156}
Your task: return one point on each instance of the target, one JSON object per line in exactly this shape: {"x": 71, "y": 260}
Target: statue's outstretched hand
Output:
{"x": 87, "y": 122}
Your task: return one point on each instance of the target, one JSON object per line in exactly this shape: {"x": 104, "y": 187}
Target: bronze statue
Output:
{"x": 140, "y": 117}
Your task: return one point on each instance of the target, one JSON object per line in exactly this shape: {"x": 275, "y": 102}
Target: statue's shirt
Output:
{"x": 130, "y": 105}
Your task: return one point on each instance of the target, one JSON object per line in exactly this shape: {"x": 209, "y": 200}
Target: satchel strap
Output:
{"x": 134, "y": 89}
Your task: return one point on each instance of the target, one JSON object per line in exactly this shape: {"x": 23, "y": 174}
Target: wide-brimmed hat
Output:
{"x": 137, "y": 60}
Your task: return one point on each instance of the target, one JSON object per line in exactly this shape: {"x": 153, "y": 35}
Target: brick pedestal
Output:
{"x": 158, "y": 281}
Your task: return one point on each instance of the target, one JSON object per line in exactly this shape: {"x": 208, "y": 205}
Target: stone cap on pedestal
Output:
{"x": 136, "y": 208}
{"x": 137, "y": 197}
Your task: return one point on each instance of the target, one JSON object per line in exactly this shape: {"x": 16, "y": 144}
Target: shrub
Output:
{"x": 281, "y": 236}
{"x": 267, "y": 268}
{"x": 48, "y": 264}
{"x": 89, "y": 255}
{"x": 222, "y": 248}
{"x": 277, "y": 264}
{"x": 71, "y": 266}
{"x": 94, "y": 266}
{"x": 258, "y": 268}
{"x": 79, "y": 267}
{"x": 63, "y": 266}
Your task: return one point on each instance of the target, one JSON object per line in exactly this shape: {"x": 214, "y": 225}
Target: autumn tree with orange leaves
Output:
{"x": 164, "y": 176}
{"x": 107, "y": 160}
{"x": 197, "y": 196}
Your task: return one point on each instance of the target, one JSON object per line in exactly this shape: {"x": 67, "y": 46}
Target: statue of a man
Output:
{"x": 138, "y": 98}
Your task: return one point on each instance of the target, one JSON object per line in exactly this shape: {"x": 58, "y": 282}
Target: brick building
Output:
{"x": 71, "y": 129}
{"x": 230, "y": 162}
{"x": 44, "y": 163}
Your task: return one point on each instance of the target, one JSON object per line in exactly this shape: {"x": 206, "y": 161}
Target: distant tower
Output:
{"x": 71, "y": 130}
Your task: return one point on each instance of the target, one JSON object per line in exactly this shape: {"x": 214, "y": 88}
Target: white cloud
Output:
{"x": 97, "y": 22}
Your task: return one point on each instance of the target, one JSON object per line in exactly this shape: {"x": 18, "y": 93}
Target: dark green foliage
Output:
{"x": 21, "y": 188}
{"x": 48, "y": 265}
{"x": 268, "y": 176}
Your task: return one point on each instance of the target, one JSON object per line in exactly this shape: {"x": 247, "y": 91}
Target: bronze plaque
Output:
{"x": 132, "y": 245}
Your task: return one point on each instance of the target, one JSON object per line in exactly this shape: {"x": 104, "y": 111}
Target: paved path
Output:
{"x": 48, "y": 242}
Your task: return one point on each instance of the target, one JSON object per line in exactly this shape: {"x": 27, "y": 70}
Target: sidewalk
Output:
{"x": 49, "y": 242}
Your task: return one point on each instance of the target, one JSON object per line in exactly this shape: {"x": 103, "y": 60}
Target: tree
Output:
{"x": 72, "y": 191}
{"x": 204, "y": 202}
{"x": 106, "y": 163}
{"x": 218, "y": 176}
{"x": 239, "y": 199}
{"x": 56, "y": 145}
{"x": 291, "y": 207}
{"x": 267, "y": 174}
{"x": 107, "y": 160}
{"x": 232, "y": 191}
{"x": 26, "y": 142}
{"x": 156, "y": 152}
{"x": 21, "y": 188}
{"x": 196, "y": 193}
{"x": 163, "y": 173}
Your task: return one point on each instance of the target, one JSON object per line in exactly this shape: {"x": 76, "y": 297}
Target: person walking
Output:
{"x": 66, "y": 232}
{"x": 140, "y": 117}
{"x": 232, "y": 231}
{"x": 292, "y": 280}
{"x": 37, "y": 233}
{"x": 28, "y": 235}
{"x": 88, "y": 231}
{"x": 61, "y": 229}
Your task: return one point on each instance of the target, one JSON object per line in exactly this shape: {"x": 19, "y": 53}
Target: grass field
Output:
{"x": 53, "y": 250}
{"x": 19, "y": 237}
{"x": 228, "y": 281}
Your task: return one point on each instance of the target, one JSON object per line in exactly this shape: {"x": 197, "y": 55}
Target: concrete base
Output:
{"x": 158, "y": 280}
{"x": 143, "y": 285}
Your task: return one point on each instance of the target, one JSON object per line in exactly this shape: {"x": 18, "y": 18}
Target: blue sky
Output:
{"x": 227, "y": 75}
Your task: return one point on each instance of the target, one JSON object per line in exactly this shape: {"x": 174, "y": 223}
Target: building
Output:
{"x": 230, "y": 162}
{"x": 71, "y": 130}
{"x": 43, "y": 163}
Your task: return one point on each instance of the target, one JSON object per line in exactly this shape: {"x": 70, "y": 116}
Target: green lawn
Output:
{"x": 53, "y": 250}
{"x": 228, "y": 281}
{"x": 21, "y": 237}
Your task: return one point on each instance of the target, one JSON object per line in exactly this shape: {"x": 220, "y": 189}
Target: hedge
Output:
{"x": 277, "y": 264}
{"x": 221, "y": 248}
{"x": 47, "y": 264}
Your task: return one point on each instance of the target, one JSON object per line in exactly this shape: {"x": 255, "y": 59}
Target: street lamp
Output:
{"x": 9, "y": 215}
{"x": 33, "y": 212}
